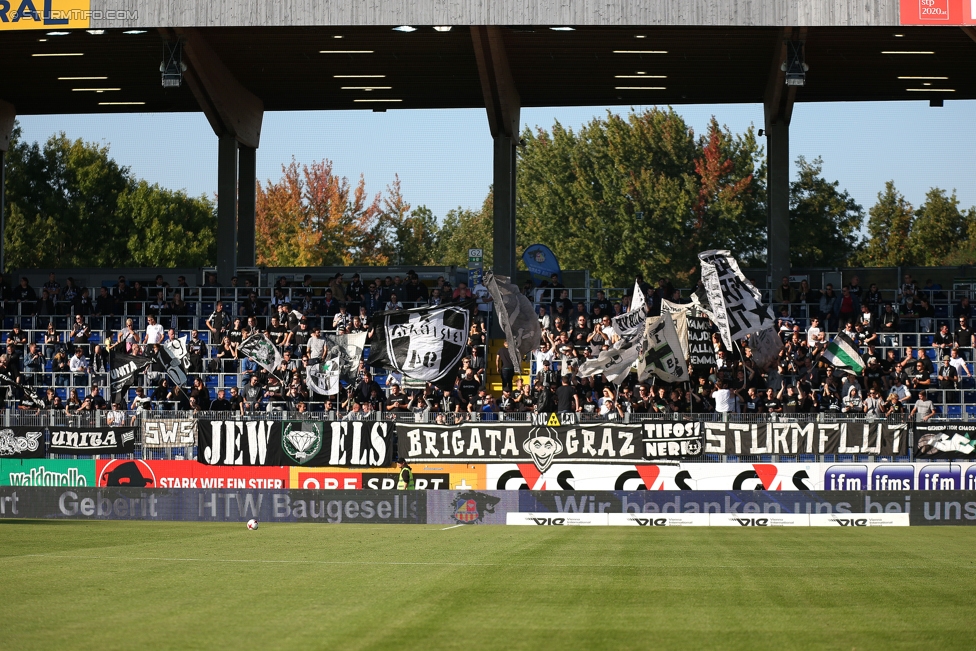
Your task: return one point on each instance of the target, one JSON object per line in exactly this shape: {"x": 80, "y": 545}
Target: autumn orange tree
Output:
{"x": 312, "y": 217}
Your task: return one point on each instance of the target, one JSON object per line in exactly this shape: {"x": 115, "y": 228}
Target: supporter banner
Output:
{"x": 736, "y": 304}
{"x": 660, "y": 352}
{"x": 952, "y": 440}
{"x": 439, "y": 476}
{"x": 21, "y": 442}
{"x": 331, "y": 507}
{"x": 425, "y": 343}
{"x": 92, "y": 440}
{"x": 140, "y": 473}
{"x": 516, "y": 316}
{"x": 701, "y": 352}
{"x": 47, "y": 472}
{"x": 765, "y": 345}
{"x": 260, "y": 348}
{"x": 125, "y": 369}
{"x": 542, "y": 445}
{"x": 805, "y": 438}
{"x": 169, "y": 433}
{"x": 630, "y": 324}
{"x": 294, "y": 443}
{"x": 680, "y": 312}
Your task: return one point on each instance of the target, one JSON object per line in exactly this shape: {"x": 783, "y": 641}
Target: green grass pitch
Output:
{"x": 169, "y": 585}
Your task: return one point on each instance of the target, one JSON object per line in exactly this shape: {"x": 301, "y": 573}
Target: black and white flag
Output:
{"x": 613, "y": 364}
{"x": 259, "y": 348}
{"x": 516, "y": 316}
{"x": 736, "y": 305}
{"x": 765, "y": 346}
{"x": 679, "y": 313}
{"x": 630, "y": 324}
{"x": 345, "y": 351}
{"x": 23, "y": 392}
{"x": 660, "y": 352}
{"x": 125, "y": 369}
{"x": 324, "y": 378}
{"x": 175, "y": 358}
{"x": 424, "y": 343}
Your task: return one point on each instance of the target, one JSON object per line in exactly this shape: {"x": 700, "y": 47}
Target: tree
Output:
{"x": 939, "y": 229}
{"x": 70, "y": 205}
{"x": 889, "y": 227}
{"x": 406, "y": 237}
{"x": 62, "y": 205}
{"x": 640, "y": 195}
{"x": 169, "y": 229}
{"x": 463, "y": 229}
{"x": 824, "y": 221}
{"x": 312, "y": 217}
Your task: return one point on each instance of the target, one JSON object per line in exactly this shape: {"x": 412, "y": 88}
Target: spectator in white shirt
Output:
{"x": 723, "y": 398}
{"x": 79, "y": 366}
{"x": 814, "y": 334}
{"x": 154, "y": 332}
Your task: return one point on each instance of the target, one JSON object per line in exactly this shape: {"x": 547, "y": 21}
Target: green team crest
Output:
{"x": 302, "y": 441}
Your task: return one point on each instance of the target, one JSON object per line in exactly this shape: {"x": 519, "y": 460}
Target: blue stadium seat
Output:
{"x": 954, "y": 410}
{"x": 909, "y": 340}
{"x": 941, "y": 311}
{"x": 61, "y": 322}
{"x": 971, "y": 410}
{"x": 8, "y": 322}
{"x": 927, "y": 341}
{"x": 61, "y": 392}
{"x": 930, "y": 353}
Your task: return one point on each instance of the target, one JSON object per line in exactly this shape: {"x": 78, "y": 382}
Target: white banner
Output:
{"x": 736, "y": 304}
{"x": 660, "y": 351}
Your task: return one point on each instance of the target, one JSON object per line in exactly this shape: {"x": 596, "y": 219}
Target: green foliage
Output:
{"x": 169, "y": 229}
{"x": 461, "y": 229}
{"x": 824, "y": 221}
{"x": 889, "y": 225}
{"x": 406, "y": 237}
{"x": 70, "y": 205}
{"x": 939, "y": 229}
{"x": 580, "y": 194}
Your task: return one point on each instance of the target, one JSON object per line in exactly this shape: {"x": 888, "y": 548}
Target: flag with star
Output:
{"x": 660, "y": 351}
{"x": 736, "y": 305}
{"x": 424, "y": 343}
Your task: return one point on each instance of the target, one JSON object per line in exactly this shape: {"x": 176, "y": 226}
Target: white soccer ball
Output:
{"x": 252, "y": 524}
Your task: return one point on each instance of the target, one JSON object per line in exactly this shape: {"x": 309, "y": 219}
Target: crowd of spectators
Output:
{"x": 70, "y": 366}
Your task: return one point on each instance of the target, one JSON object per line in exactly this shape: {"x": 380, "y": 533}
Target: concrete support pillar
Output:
{"x": 504, "y": 206}
{"x": 226, "y": 209}
{"x": 246, "y": 201}
{"x": 778, "y": 196}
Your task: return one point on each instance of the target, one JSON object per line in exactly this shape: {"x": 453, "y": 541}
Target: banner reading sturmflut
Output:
{"x": 736, "y": 305}
{"x": 806, "y": 438}
{"x": 294, "y": 443}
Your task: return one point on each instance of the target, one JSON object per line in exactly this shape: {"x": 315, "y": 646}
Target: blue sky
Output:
{"x": 444, "y": 157}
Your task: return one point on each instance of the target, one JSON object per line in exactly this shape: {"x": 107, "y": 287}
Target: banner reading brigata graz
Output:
{"x": 805, "y": 438}
{"x": 544, "y": 445}
{"x": 294, "y": 443}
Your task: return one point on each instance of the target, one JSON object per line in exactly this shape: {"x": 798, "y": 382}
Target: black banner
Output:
{"x": 544, "y": 445}
{"x": 294, "y": 443}
{"x": 21, "y": 442}
{"x": 806, "y": 438}
{"x": 701, "y": 352}
{"x": 92, "y": 440}
{"x": 950, "y": 440}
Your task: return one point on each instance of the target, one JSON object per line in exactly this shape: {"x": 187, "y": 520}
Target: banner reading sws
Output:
{"x": 543, "y": 445}
{"x": 806, "y": 438}
{"x": 294, "y": 443}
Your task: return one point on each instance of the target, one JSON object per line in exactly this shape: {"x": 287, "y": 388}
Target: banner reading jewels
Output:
{"x": 294, "y": 443}
{"x": 806, "y": 438}
{"x": 951, "y": 440}
{"x": 543, "y": 445}
{"x": 92, "y": 440}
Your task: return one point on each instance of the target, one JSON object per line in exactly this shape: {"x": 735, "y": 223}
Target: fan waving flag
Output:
{"x": 630, "y": 324}
{"x": 842, "y": 353}
{"x": 259, "y": 348}
{"x": 124, "y": 370}
{"x": 515, "y": 315}
{"x": 735, "y": 304}
{"x": 660, "y": 352}
{"x": 614, "y": 363}
{"x": 424, "y": 343}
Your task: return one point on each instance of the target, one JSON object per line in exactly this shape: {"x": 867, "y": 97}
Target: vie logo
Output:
{"x": 651, "y": 522}
{"x": 753, "y": 522}
{"x": 549, "y": 521}
{"x": 850, "y": 522}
